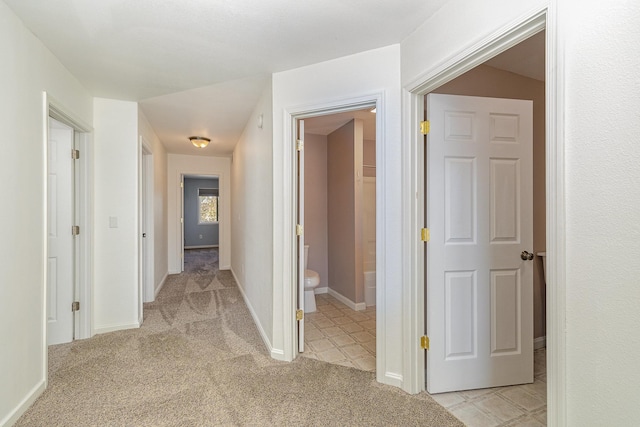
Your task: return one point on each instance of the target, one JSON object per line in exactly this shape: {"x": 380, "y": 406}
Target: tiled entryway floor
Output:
{"x": 523, "y": 405}
{"x": 337, "y": 334}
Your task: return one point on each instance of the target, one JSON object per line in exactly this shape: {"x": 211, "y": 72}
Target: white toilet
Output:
{"x": 311, "y": 281}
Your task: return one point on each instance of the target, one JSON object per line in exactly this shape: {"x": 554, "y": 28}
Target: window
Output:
{"x": 207, "y": 205}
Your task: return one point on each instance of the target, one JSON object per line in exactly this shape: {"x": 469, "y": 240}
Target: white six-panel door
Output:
{"x": 479, "y": 211}
{"x": 60, "y": 279}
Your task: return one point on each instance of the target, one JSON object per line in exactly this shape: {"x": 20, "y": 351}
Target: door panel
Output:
{"x": 479, "y": 203}
{"x": 60, "y": 278}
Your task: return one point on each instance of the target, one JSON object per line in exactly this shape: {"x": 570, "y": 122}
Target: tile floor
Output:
{"x": 523, "y": 405}
{"x": 337, "y": 334}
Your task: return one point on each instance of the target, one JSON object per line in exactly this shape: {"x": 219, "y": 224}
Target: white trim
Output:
{"x": 201, "y": 247}
{"x": 393, "y": 379}
{"x": 83, "y": 262}
{"x": 13, "y": 416}
{"x": 159, "y": 288}
{"x": 413, "y": 299}
{"x": 555, "y": 275}
{"x": 322, "y": 290}
{"x": 540, "y": 342}
{"x": 118, "y": 327}
{"x": 146, "y": 199}
{"x": 256, "y": 321}
{"x": 356, "y": 306}
{"x": 287, "y": 234}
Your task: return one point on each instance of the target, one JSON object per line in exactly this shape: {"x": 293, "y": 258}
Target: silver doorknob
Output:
{"x": 526, "y": 256}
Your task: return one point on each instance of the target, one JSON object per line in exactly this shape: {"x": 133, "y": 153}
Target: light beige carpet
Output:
{"x": 198, "y": 360}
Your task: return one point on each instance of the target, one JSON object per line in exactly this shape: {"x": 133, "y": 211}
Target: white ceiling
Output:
{"x": 197, "y": 67}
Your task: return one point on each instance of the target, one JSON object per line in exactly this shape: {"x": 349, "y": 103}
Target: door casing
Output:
{"x": 290, "y": 286}
{"x": 413, "y": 184}
{"x": 83, "y": 283}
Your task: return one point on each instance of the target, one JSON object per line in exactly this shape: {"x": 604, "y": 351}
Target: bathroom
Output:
{"x": 340, "y": 231}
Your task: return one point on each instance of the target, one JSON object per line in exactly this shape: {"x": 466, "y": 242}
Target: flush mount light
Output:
{"x": 199, "y": 141}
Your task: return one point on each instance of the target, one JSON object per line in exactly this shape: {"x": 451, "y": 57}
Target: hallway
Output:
{"x": 198, "y": 359}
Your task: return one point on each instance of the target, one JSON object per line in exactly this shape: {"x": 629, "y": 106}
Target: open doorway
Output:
{"x": 200, "y": 218}
{"x": 553, "y": 181}
{"x": 338, "y": 185}
{"x": 336, "y": 199}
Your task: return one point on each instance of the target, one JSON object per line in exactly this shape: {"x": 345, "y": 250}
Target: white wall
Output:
{"x": 27, "y": 69}
{"x": 602, "y": 58}
{"x": 116, "y": 292}
{"x": 160, "y": 238}
{"x": 178, "y": 164}
{"x": 251, "y": 210}
{"x": 599, "y": 59}
{"x": 315, "y": 206}
{"x": 364, "y": 75}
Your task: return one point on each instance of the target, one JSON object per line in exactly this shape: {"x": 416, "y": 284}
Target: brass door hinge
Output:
{"x": 75, "y": 230}
{"x": 75, "y": 154}
{"x": 299, "y": 315}
{"x": 424, "y": 342}
{"x": 425, "y": 234}
{"x": 425, "y": 127}
{"x": 75, "y": 306}
{"x": 299, "y": 230}
{"x": 299, "y": 145}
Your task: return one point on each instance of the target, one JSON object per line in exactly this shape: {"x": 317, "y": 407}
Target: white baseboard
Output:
{"x": 278, "y": 354}
{"x": 540, "y": 342}
{"x": 114, "y": 328}
{"x": 159, "y": 288}
{"x": 201, "y": 247}
{"x": 389, "y": 378}
{"x": 224, "y": 267}
{"x": 323, "y": 290}
{"x": 274, "y": 352}
{"x": 360, "y": 306}
{"x": 13, "y": 416}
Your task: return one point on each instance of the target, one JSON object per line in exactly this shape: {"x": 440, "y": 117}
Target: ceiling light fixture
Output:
{"x": 199, "y": 141}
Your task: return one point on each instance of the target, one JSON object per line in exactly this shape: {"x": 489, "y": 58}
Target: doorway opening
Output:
{"x": 200, "y": 216}
{"x": 337, "y": 192}
{"x": 68, "y": 227}
{"x": 554, "y": 205}
{"x": 294, "y": 291}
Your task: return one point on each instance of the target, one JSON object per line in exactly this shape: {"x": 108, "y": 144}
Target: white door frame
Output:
{"x": 146, "y": 223}
{"x": 413, "y": 195}
{"x": 83, "y": 282}
{"x": 289, "y": 262}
